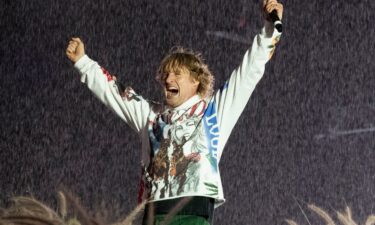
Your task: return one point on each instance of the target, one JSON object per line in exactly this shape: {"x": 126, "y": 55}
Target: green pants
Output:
{"x": 182, "y": 220}
{"x": 195, "y": 210}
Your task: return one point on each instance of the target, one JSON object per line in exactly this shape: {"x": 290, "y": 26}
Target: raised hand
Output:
{"x": 270, "y": 5}
{"x": 75, "y": 49}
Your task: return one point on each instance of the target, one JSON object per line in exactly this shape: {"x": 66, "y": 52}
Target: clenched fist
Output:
{"x": 75, "y": 49}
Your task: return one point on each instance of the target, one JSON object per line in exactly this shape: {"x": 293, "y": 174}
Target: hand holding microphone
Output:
{"x": 274, "y": 13}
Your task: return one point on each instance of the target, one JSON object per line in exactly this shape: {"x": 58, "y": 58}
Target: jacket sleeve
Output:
{"x": 129, "y": 106}
{"x": 233, "y": 96}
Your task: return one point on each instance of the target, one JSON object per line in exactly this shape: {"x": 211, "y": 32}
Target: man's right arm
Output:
{"x": 132, "y": 108}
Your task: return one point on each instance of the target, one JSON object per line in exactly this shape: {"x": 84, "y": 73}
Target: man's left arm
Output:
{"x": 232, "y": 98}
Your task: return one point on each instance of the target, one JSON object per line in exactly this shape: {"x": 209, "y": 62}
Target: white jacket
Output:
{"x": 182, "y": 146}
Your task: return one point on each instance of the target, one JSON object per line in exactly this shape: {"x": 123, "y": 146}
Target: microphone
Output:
{"x": 276, "y": 21}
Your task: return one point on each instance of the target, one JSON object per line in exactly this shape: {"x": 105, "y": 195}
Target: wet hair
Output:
{"x": 179, "y": 59}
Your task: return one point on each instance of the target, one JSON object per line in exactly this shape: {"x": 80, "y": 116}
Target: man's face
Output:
{"x": 178, "y": 87}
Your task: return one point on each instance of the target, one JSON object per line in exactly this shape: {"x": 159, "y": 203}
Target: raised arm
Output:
{"x": 232, "y": 98}
{"x": 132, "y": 108}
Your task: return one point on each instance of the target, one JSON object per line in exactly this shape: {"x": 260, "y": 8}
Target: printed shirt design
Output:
{"x": 183, "y": 155}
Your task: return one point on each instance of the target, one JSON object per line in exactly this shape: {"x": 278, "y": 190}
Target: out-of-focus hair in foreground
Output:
{"x": 345, "y": 217}
{"x": 29, "y": 211}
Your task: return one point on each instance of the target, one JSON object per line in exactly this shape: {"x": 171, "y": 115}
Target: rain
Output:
{"x": 307, "y": 135}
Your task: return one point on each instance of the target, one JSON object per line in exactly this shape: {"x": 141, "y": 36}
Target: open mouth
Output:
{"x": 172, "y": 91}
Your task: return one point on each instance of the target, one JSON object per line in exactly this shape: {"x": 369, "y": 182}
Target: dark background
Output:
{"x": 306, "y": 136}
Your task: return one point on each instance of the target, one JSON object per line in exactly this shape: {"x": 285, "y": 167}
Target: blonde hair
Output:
{"x": 344, "y": 217}
{"x": 179, "y": 59}
{"x": 29, "y": 211}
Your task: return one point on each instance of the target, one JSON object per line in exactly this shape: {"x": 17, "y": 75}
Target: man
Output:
{"x": 182, "y": 139}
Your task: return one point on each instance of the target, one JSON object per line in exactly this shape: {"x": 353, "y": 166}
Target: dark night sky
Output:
{"x": 308, "y": 132}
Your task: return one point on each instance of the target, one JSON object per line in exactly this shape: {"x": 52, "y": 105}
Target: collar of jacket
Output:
{"x": 186, "y": 105}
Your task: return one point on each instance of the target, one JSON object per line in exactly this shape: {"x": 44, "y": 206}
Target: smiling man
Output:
{"x": 183, "y": 74}
{"x": 182, "y": 138}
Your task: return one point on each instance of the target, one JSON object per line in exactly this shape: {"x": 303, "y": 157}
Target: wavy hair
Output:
{"x": 179, "y": 59}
